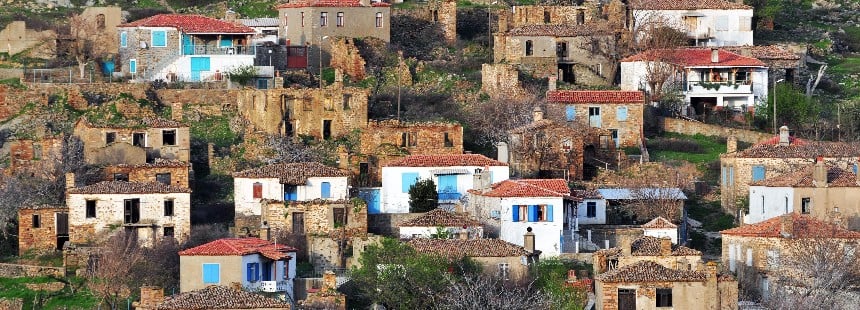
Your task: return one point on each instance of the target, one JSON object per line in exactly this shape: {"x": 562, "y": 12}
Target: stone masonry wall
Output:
{"x": 345, "y": 56}
{"x": 629, "y": 130}
{"x": 42, "y": 239}
{"x": 501, "y": 81}
{"x": 537, "y": 14}
{"x": 35, "y": 156}
{"x": 27, "y": 271}
{"x": 693, "y": 127}
{"x": 318, "y": 216}
{"x": 179, "y": 175}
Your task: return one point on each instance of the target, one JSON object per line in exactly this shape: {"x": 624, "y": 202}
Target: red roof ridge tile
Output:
{"x": 528, "y": 188}
{"x": 696, "y": 57}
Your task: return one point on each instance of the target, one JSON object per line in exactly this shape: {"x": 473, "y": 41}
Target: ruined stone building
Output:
{"x": 42, "y": 228}
{"x": 104, "y": 22}
{"x": 214, "y": 297}
{"x": 134, "y": 142}
{"x": 440, "y": 12}
{"x": 619, "y": 112}
{"x": 439, "y": 223}
{"x": 17, "y": 38}
{"x": 167, "y": 172}
{"x": 781, "y": 63}
{"x": 496, "y": 257}
{"x": 646, "y": 248}
{"x": 35, "y": 156}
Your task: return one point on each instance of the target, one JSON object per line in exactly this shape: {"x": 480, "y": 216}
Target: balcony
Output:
{"x": 197, "y": 50}
{"x": 720, "y": 87}
{"x": 273, "y": 286}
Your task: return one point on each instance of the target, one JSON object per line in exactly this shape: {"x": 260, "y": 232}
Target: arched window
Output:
{"x": 529, "y": 49}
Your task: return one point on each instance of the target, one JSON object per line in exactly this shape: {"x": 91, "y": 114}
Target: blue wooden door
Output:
{"x": 198, "y": 64}
{"x": 371, "y": 196}
{"x": 187, "y": 46}
{"x": 448, "y": 187}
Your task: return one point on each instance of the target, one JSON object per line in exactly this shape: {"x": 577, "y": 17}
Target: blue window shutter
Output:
{"x": 549, "y": 213}
{"x": 226, "y": 42}
{"x": 159, "y": 39}
{"x": 326, "y": 190}
{"x": 758, "y": 173}
{"x": 123, "y": 39}
{"x": 132, "y": 66}
{"x": 731, "y": 175}
{"x": 533, "y": 213}
{"x": 854, "y": 168}
{"x": 515, "y": 210}
{"x": 211, "y": 273}
{"x": 491, "y": 177}
{"x": 570, "y": 113}
{"x": 249, "y": 272}
{"x": 621, "y": 113}
{"x": 407, "y": 180}
{"x": 723, "y": 172}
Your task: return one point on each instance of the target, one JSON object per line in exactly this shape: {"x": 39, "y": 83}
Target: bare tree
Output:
{"x": 650, "y": 187}
{"x": 111, "y": 280}
{"x": 487, "y": 292}
{"x": 87, "y": 41}
{"x": 493, "y": 119}
{"x": 813, "y": 81}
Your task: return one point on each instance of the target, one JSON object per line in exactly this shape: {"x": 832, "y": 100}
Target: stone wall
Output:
{"x": 629, "y": 130}
{"x": 443, "y": 13}
{"x": 29, "y": 271}
{"x": 345, "y": 56}
{"x": 98, "y": 151}
{"x": 318, "y": 216}
{"x": 688, "y": 127}
{"x": 38, "y": 239}
{"x": 501, "y": 81}
{"x": 546, "y": 15}
{"x": 179, "y": 173}
{"x": 16, "y": 38}
{"x": 388, "y": 224}
{"x": 35, "y": 156}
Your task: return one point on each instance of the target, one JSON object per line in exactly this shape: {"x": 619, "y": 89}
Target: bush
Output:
{"x": 423, "y": 196}
{"x": 676, "y": 145}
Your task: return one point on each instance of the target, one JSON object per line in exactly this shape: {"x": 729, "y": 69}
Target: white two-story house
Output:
{"x": 452, "y": 174}
{"x": 706, "y": 23}
{"x": 287, "y": 182}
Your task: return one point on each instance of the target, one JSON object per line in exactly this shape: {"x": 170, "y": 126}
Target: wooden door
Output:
{"x": 299, "y": 223}
{"x": 626, "y": 299}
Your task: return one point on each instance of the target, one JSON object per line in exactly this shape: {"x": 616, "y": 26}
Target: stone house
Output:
{"x": 449, "y": 224}
{"x": 175, "y": 47}
{"x": 620, "y": 112}
{"x": 778, "y": 155}
{"x": 151, "y": 210}
{"x": 35, "y": 156}
{"x": 525, "y": 15}
{"x": 16, "y": 38}
{"x": 209, "y": 297}
{"x": 42, "y": 228}
{"x": 756, "y": 253}
{"x": 511, "y": 208}
{"x": 708, "y": 78}
{"x": 167, "y": 172}
{"x": 706, "y": 23}
{"x": 649, "y": 285}
{"x": 666, "y": 202}
{"x": 105, "y": 19}
{"x": 385, "y": 141}
{"x": 453, "y": 175}
{"x": 495, "y": 256}
{"x": 252, "y": 264}
{"x": 782, "y": 63}
{"x": 660, "y": 227}
{"x": 646, "y": 248}
{"x": 134, "y": 143}
{"x": 827, "y": 193}
{"x": 305, "y": 181}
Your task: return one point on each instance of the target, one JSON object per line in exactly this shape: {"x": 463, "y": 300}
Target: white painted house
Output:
{"x": 706, "y": 22}
{"x": 660, "y": 227}
{"x": 538, "y": 204}
{"x": 152, "y": 210}
{"x": 440, "y": 223}
{"x": 452, "y": 174}
{"x": 591, "y": 210}
{"x": 265, "y": 28}
{"x": 708, "y": 78}
{"x": 287, "y": 182}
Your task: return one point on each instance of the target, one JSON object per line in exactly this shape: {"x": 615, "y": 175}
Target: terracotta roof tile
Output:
{"x": 291, "y": 173}
{"x": 687, "y": 5}
{"x": 440, "y": 217}
{"x": 144, "y": 122}
{"x": 121, "y": 187}
{"x": 771, "y": 52}
{"x": 803, "y": 226}
{"x": 158, "y": 163}
{"x": 529, "y": 188}
{"x": 454, "y": 160}
{"x": 595, "y": 96}
{"x": 588, "y": 193}
{"x": 327, "y": 3}
{"x": 219, "y": 297}
{"x": 241, "y": 247}
{"x": 190, "y": 24}
{"x": 659, "y": 222}
{"x": 650, "y": 246}
{"x": 799, "y": 148}
{"x": 456, "y": 248}
{"x": 696, "y": 57}
{"x": 648, "y": 271}
{"x": 836, "y": 177}
{"x": 558, "y": 30}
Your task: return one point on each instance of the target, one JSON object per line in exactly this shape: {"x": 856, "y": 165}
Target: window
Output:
{"x": 758, "y": 173}
{"x": 132, "y": 211}
{"x": 100, "y": 21}
{"x": 323, "y": 19}
{"x": 168, "y": 137}
{"x": 120, "y": 177}
{"x": 168, "y": 207}
{"x": 123, "y": 39}
{"x": 378, "y": 20}
{"x": 543, "y": 213}
{"x": 504, "y": 271}
{"x": 561, "y": 49}
{"x": 570, "y": 113}
{"x": 138, "y": 139}
{"x": 291, "y": 193}
{"x": 159, "y": 38}
{"x": 258, "y": 190}
{"x": 132, "y": 65}
{"x": 546, "y": 18}
{"x": 786, "y": 205}
{"x": 211, "y": 273}
{"x": 594, "y": 117}
{"x": 168, "y": 232}
{"x": 664, "y": 297}
{"x": 303, "y": 19}
{"x": 346, "y": 99}
{"x": 253, "y": 272}
{"x": 744, "y": 23}
{"x": 519, "y": 213}
{"x": 163, "y": 178}
{"x": 37, "y": 221}
{"x": 805, "y": 205}
{"x": 91, "y": 209}
{"x": 435, "y": 16}
{"x": 591, "y": 209}
{"x": 339, "y": 216}
{"x": 749, "y": 258}
{"x": 448, "y": 141}
{"x": 580, "y": 17}
{"x": 721, "y": 23}
{"x": 762, "y": 204}
{"x": 407, "y": 180}
{"x": 621, "y": 114}
{"x": 325, "y": 190}
{"x": 529, "y": 48}
{"x": 286, "y": 270}
{"x": 339, "y": 20}
{"x": 110, "y": 137}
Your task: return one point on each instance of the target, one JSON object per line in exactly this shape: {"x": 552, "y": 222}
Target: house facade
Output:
{"x": 706, "y": 23}
{"x": 439, "y": 223}
{"x": 591, "y": 210}
{"x": 175, "y": 47}
{"x": 134, "y": 143}
{"x": 254, "y": 264}
{"x": 660, "y": 227}
{"x": 452, "y": 174}
{"x": 497, "y": 258}
{"x": 631, "y": 251}
{"x": 663, "y": 202}
{"x": 42, "y": 228}
{"x": 167, "y": 172}
{"x": 619, "y": 112}
{"x": 151, "y": 210}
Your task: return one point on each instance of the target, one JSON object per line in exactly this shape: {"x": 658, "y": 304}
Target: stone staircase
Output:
{"x": 569, "y": 239}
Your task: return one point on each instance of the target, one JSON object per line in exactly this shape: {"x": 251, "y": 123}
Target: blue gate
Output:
{"x": 371, "y": 196}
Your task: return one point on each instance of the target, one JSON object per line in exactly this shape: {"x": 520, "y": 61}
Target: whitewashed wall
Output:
{"x": 547, "y": 234}
{"x": 773, "y": 200}
{"x": 394, "y": 200}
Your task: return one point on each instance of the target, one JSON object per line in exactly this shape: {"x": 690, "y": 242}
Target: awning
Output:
{"x": 450, "y": 171}
{"x": 692, "y": 14}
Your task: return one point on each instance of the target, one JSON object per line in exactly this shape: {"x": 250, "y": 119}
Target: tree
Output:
{"x": 649, "y": 186}
{"x": 242, "y": 74}
{"x": 423, "y": 196}
{"x": 792, "y": 106}
{"x": 111, "y": 280}
{"x": 491, "y": 120}
{"x": 491, "y": 293}
{"x": 87, "y": 41}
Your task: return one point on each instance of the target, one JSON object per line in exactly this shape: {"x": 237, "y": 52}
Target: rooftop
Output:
{"x": 131, "y": 123}
{"x": 440, "y": 217}
{"x": 241, "y": 247}
{"x": 799, "y": 148}
{"x": 770, "y": 52}
{"x": 836, "y": 177}
{"x": 641, "y": 193}
{"x": 595, "y": 96}
{"x": 659, "y": 222}
{"x": 191, "y": 24}
{"x": 291, "y": 173}
{"x": 563, "y": 30}
{"x": 327, "y": 3}
{"x": 158, "y": 163}
{"x": 456, "y": 248}
{"x": 455, "y": 160}
{"x": 529, "y": 188}
{"x": 696, "y": 57}
{"x": 260, "y": 22}
{"x": 122, "y": 187}
{"x": 802, "y": 226}
{"x": 219, "y": 297}
{"x": 648, "y": 271}
{"x": 687, "y": 5}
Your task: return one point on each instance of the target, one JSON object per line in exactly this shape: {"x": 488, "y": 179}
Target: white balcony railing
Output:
{"x": 720, "y": 87}
{"x": 273, "y": 286}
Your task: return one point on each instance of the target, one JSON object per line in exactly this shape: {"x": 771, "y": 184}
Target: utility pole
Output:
{"x": 399, "y": 66}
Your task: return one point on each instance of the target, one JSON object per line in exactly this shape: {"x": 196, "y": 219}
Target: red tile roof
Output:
{"x": 327, "y": 3}
{"x": 158, "y": 163}
{"x": 291, "y": 173}
{"x": 122, "y": 187}
{"x": 595, "y": 96}
{"x": 659, "y": 222}
{"x": 190, "y": 24}
{"x": 696, "y": 57}
{"x": 648, "y": 271}
{"x": 799, "y": 148}
{"x": 440, "y": 217}
{"x": 219, "y": 297}
{"x": 240, "y": 246}
{"x": 457, "y": 248}
{"x": 802, "y": 226}
{"x": 687, "y": 5}
{"x": 558, "y": 31}
{"x": 454, "y": 160}
{"x": 529, "y": 188}
{"x": 764, "y": 52}
{"x": 836, "y": 177}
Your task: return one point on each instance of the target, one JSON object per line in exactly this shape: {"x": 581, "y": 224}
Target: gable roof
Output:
{"x": 802, "y": 226}
{"x": 595, "y": 96}
{"x": 192, "y": 24}
{"x": 646, "y": 193}
{"x": 122, "y": 187}
{"x": 561, "y": 30}
{"x": 836, "y": 177}
{"x": 440, "y": 217}
{"x": 457, "y": 248}
{"x": 240, "y": 247}
{"x": 799, "y": 148}
{"x": 452, "y": 160}
{"x": 328, "y": 3}
{"x": 648, "y": 271}
{"x": 659, "y": 222}
{"x": 219, "y": 297}
{"x": 291, "y": 173}
{"x": 687, "y": 5}
{"x": 528, "y": 188}
{"x": 260, "y": 22}
{"x": 650, "y": 246}
{"x": 695, "y": 57}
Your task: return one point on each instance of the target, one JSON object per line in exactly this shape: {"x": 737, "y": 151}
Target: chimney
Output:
{"x": 783, "y": 136}
{"x": 537, "y": 114}
{"x": 151, "y": 296}
{"x": 230, "y": 15}
{"x": 329, "y": 281}
{"x": 464, "y": 234}
{"x": 786, "y": 225}
{"x": 529, "y": 240}
{"x": 553, "y": 80}
{"x": 665, "y": 246}
{"x": 715, "y": 55}
{"x": 264, "y": 231}
{"x": 502, "y": 15}
{"x": 819, "y": 173}
{"x": 70, "y": 180}
{"x": 502, "y": 152}
{"x": 731, "y": 143}
{"x": 481, "y": 179}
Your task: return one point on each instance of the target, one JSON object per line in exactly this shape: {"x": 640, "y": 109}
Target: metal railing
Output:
{"x": 218, "y": 50}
